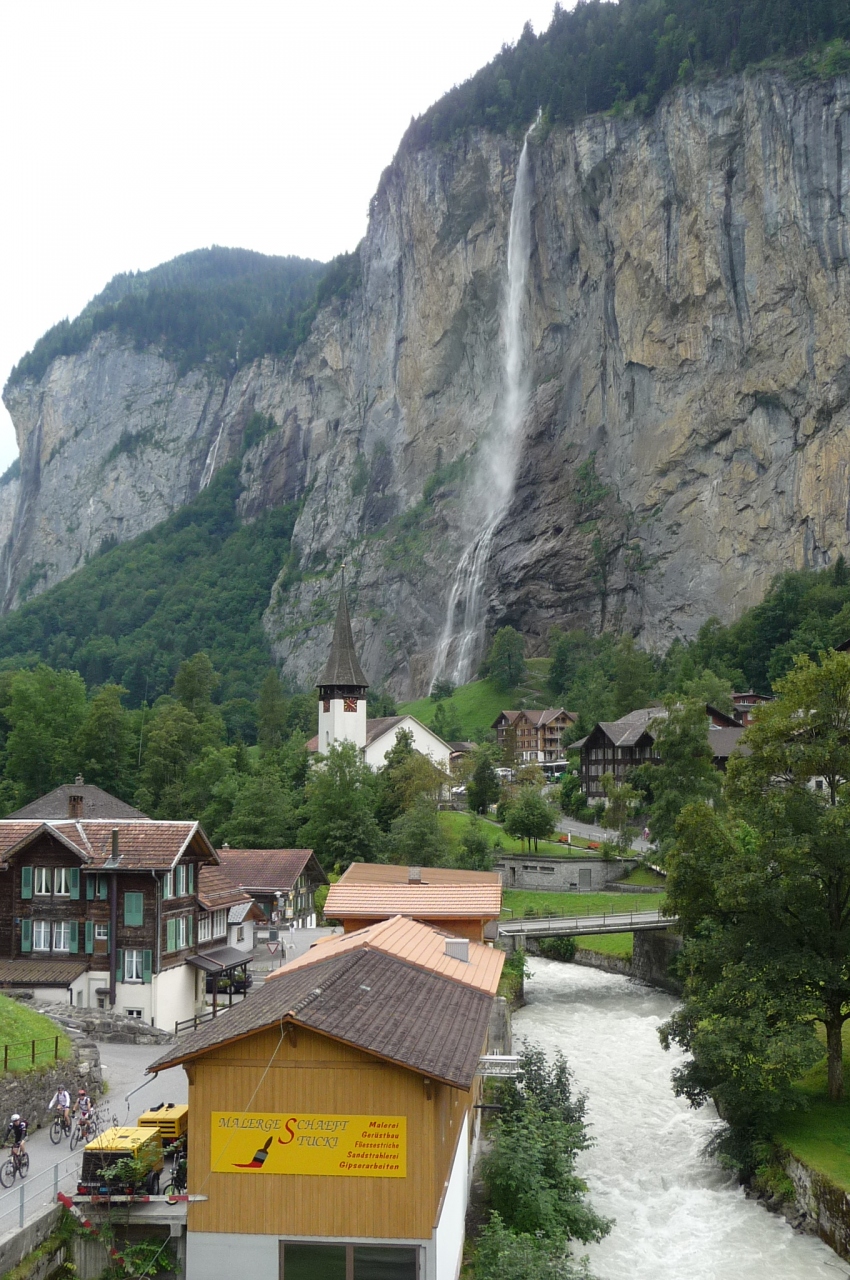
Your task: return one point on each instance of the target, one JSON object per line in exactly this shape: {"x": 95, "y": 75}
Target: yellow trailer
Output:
{"x": 142, "y": 1147}
{"x": 172, "y": 1120}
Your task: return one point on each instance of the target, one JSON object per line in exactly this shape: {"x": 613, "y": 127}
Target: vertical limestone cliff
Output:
{"x": 688, "y": 427}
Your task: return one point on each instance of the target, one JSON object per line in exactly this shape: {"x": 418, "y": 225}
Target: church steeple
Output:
{"x": 342, "y": 686}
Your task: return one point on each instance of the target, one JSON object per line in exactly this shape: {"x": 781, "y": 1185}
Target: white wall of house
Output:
{"x": 424, "y": 741}
{"x": 246, "y": 942}
{"x": 174, "y": 995}
{"x": 447, "y": 1244}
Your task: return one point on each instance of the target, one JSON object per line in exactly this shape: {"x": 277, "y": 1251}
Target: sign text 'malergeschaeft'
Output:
{"x": 297, "y": 1142}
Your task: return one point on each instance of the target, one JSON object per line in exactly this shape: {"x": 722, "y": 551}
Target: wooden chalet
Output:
{"x": 282, "y": 882}
{"x": 465, "y": 903}
{"x": 533, "y": 735}
{"x": 332, "y": 1120}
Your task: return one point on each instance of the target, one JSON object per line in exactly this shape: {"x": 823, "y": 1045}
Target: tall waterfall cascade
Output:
{"x": 492, "y": 490}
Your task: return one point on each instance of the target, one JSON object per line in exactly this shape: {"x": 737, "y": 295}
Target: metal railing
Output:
{"x": 591, "y": 922}
{"x": 20, "y": 1054}
{"x": 37, "y": 1191}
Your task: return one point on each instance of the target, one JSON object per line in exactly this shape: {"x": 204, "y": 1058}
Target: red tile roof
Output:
{"x": 26, "y": 972}
{"x": 216, "y": 889}
{"x": 267, "y": 870}
{"x": 421, "y": 901}
{"x": 143, "y": 845}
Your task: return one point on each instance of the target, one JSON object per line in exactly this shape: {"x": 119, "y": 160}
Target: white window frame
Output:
{"x": 62, "y": 936}
{"x": 134, "y": 964}
{"x": 101, "y": 933}
{"x": 42, "y": 882}
{"x": 134, "y": 1013}
{"x": 180, "y": 934}
{"x": 41, "y": 929}
{"x": 204, "y": 926}
{"x": 168, "y": 886}
{"x": 62, "y": 882}
{"x": 240, "y": 933}
{"x": 180, "y": 881}
{"x": 220, "y": 923}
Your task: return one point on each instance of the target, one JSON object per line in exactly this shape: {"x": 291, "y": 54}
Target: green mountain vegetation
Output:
{"x": 221, "y": 307}
{"x": 613, "y": 57}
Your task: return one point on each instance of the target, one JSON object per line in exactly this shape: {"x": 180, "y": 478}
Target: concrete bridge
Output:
{"x": 585, "y": 926}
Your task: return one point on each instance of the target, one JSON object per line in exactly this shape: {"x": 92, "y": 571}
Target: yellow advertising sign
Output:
{"x": 296, "y": 1142}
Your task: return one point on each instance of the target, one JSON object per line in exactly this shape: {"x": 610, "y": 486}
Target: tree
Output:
{"x": 446, "y": 723}
{"x": 390, "y": 802}
{"x": 416, "y": 837}
{"x": 623, "y": 800}
{"x": 685, "y": 773}
{"x": 476, "y": 852}
{"x": 483, "y": 787}
{"x": 195, "y": 683}
{"x": 271, "y": 713}
{"x": 506, "y": 659}
{"x": 339, "y": 819}
{"x": 529, "y": 817}
{"x": 46, "y": 710}
{"x": 105, "y": 744}
{"x": 265, "y": 813}
{"x": 501, "y": 1254}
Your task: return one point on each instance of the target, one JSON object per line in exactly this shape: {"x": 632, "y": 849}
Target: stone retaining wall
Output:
{"x": 29, "y": 1092}
{"x": 106, "y": 1026}
{"x": 20, "y": 1243}
{"x": 825, "y": 1206}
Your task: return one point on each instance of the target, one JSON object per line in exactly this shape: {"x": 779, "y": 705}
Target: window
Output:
{"x": 180, "y": 932}
{"x": 240, "y": 933}
{"x": 134, "y": 904}
{"x": 168, "y": 885}
{"x": 204, "y": 927}
{"x": 347, "y": 1262}
{"x": 62, "y": 882}
{"x": 41, "y": 935}
{"x": 133, "y": 965}
{"x": 42, "y": 880}
{"x": 180, "y": 881}
{"x": 219, "y": 924}
{"x": 133, "y": 1013}
{"x": 101, "y": 933}
{"x": 62, "y": 935}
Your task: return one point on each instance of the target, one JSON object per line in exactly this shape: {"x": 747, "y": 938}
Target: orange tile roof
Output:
{"x": 384, "y": 873}
{"x": 216, "y": 889}
{"x": 416, "y": 943}
{"x": 143, "y": 845}
{"x": 422, "y": 901}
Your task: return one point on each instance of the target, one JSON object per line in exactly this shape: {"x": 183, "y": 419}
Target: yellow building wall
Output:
{"x": 317, "y": 1075}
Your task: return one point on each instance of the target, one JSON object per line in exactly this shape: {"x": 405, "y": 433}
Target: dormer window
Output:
{"x": 41, "y": 879}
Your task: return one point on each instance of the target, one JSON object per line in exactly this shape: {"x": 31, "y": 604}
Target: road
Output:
{"x": 591, "y": 832}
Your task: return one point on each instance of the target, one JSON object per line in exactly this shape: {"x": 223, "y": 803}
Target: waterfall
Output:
{"x": 209, "y": 465}
{"x": 493, "y": 488}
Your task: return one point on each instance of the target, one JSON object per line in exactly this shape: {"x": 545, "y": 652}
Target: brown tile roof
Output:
{"x": 389, "y": 873}
{"x": 626, "y": 731}
{"x": 216, "y": 889}
{"x": 415, "y": 942}
{"x": 96, "y": 804}
{"x": 27, "y": 972}
{"x": 537, "y": 718}
{"x": 421, "y": 901}
{"x": 143, "y": 845}
{"x": 267, "y": 870}
{"x": 371, "y": 1001}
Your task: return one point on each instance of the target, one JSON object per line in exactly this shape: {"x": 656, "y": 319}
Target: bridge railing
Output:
{"x": 626, "y": 919}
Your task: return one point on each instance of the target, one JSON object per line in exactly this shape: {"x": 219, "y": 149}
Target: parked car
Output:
{"x": 229, "y": 982}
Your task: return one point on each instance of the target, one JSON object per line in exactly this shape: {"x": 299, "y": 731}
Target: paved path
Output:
{"x": 591, "y": 832}
{"x": 583, "y": 926}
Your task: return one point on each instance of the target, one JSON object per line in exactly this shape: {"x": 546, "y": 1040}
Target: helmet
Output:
{"x": 81, "y": 1092}
{"x": 15, "y": 1118}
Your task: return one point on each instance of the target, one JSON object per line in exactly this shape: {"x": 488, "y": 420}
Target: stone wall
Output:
{"x": 561, "y": 875}
{"x": 105, "y": 1026}
{"x": 23, "y": 1241}
{"x": 652, "y": 954}
{"x": 826, "y": 1207}
{"x": 29, "y": 1092}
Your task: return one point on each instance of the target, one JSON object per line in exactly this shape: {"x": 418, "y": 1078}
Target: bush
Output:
{"x": 558, "y": 948}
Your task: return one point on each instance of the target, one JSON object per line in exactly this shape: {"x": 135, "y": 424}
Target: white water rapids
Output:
{"x": 498, "y": 459}
{"x": 678, "y": 1216}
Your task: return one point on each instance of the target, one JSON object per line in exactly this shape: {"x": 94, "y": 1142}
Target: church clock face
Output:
{"x": 349, "y": 704}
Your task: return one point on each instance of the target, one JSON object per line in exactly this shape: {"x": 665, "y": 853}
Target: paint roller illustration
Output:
{"x": 259, "y": 1159}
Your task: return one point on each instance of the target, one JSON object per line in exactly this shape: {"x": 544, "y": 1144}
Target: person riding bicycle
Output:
{"x": 18, "y": 1129}
{"x": 83, "y": 1110}
{"x": 61, "y": 1100}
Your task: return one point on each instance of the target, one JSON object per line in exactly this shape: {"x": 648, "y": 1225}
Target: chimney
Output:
{"x": 458, "y": 949}
{"x": 78, "y": 781}
{"x": 75, "y": 806}
{"x": 414, "y": 875}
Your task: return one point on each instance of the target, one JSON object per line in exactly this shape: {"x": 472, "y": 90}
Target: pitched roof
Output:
{"x": 626, "y": 731}
{"x": 389, "y": 873}
{"x": 267, "y": 870}
{"x": 380, "y": 725}
{"x": 342, "y": 668}
{"x": 143, "y": 844}
{"x": 724, "y": 741}
{"x": 415, "y": 942}
{"x": 421, "y": 901}
{"x": 537, "y": 718}
{"x": 27, "y": 972}
{"x": 216, "y": 889}
{"x": 96, "y": 804}
{"x": 371, "y": 1001}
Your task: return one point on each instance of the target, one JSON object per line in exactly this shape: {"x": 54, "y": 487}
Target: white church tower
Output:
{"x": 342, "y": 687}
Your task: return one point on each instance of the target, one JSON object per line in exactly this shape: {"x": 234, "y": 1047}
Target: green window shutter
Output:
{"x": 26, "y": 934}
{"x": 102, "y": 888}
{"x": 191, "y": 877}
{"x": 26, "y": 882}
{"x": 134, "y": 909}
{"x": 75, "y": 882}
{"x": 170, "y": 935}
{"x": 74, "y": 939}
{"x": 90, "y": 888}
{"x": 89, "y": 937}
{"x": 190, "y": 930}
{"x": 119, "y": 966}
{"x": 147, "y": 965}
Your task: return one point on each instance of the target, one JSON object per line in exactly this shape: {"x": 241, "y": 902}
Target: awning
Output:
{"x": 220, "y": 959}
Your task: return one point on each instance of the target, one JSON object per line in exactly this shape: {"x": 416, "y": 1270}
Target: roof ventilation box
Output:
{"x": 458, "y": 949}
{"x": 414, "y": 875}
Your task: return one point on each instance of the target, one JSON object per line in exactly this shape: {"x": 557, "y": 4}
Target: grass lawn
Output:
{"x": 820, "y": 1136}
{"x": 478, "y": 704}
{"x": 611, "y": 944}
{"x": 524, "y": 901}
{"x": 455, "y": 823}
{"x": 19, "y": 1026}
{"x": 645, "y": 876}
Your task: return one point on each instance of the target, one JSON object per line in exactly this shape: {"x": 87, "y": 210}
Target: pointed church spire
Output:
{"x": 342, "y": 670}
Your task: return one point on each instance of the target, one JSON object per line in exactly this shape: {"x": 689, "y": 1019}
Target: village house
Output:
{"x": 528, "y": 736}
{"x": 465, "y": 903}
{"x": 104, "y": 913}
{"x": 332, "y": 1116}
{"x": 282, "y": 882}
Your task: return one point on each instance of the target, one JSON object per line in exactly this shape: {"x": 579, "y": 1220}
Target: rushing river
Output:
{"x": 678, "y": 1216}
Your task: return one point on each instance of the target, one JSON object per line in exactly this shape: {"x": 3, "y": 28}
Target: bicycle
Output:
{"x": 179, "y": 1178}
{"x": 17, "y": 1166}
{"x": 84, "y": 1130}
{"x": 61, "y": 1126}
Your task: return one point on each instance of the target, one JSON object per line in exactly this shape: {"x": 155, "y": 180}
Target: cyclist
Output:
{"x": 18, "y": 1129}
{"x": 61, "y": 1100}
{"x": 83, "y": 1110}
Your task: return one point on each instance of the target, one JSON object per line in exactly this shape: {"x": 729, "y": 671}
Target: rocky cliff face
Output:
{"x": 688, "y": 431}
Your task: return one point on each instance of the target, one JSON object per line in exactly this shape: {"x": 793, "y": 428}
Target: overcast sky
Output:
{"x": 138, "y": 130}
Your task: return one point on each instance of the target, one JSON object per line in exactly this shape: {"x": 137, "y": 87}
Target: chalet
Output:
{"x": 746, "y": 703}
{"x": 104, "y": 913}
{"x": 533, "y": 735}
{"x": 464, "y": 903}
{"x": 332, "y": 1116}
{"x": 282, "y": 882}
